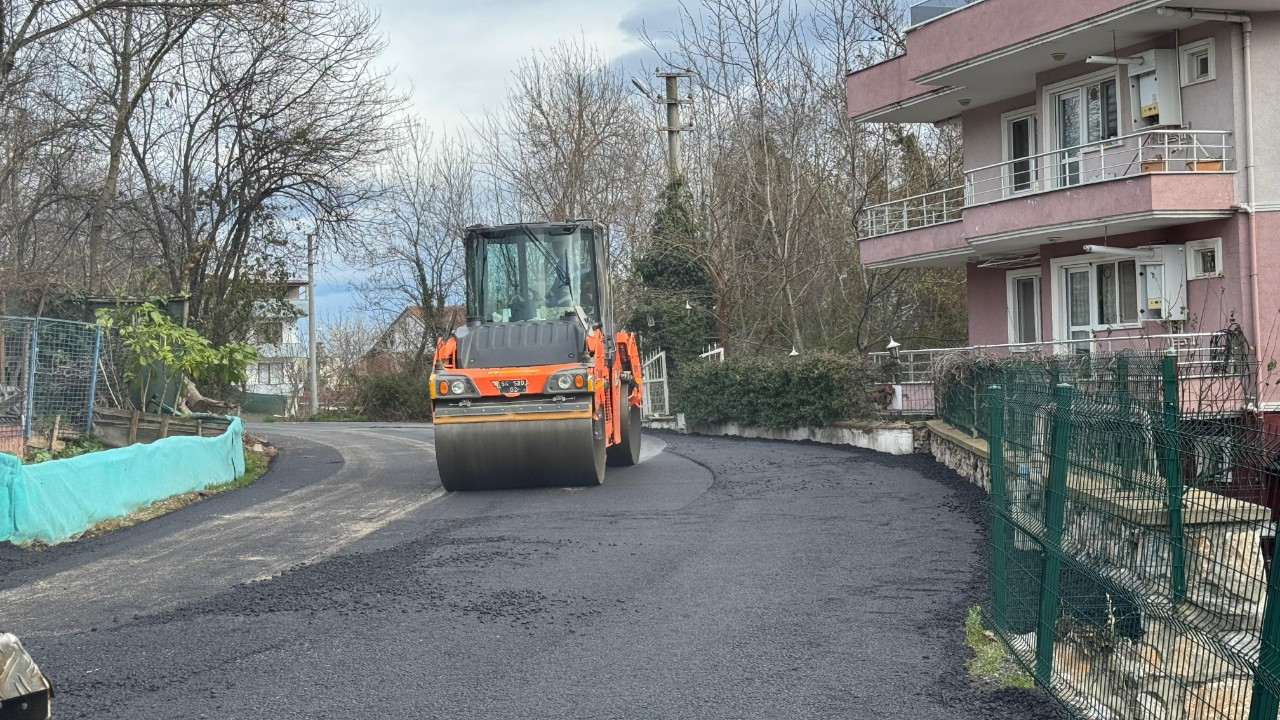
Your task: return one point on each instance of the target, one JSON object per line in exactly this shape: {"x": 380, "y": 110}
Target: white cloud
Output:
{"x": 458, "y": 56}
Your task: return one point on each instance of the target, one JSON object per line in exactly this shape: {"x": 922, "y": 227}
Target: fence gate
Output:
{"x": 657, "y": 398}
{"x": 48, "y": 378}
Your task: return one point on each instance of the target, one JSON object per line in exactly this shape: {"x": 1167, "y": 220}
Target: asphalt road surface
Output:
{"x": 717, "y": 579}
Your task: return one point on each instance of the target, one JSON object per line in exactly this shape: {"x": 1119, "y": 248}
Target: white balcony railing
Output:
{"x": 918, "y": 211}
{"x": 283, "y": 350}
{"x": 1152, "y": 151}
{"x": 1200, "y": 355}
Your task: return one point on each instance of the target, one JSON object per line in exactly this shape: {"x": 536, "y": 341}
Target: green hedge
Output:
{"x": 395, "y": 396}
{"x": 811, "y": 390}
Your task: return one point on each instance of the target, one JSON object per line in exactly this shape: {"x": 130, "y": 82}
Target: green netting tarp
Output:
{"x": 10, "y": 470}
{"x": 55, "y": 500}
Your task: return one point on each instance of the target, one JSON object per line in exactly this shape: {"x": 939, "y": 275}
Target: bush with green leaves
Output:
{"x": 159, "y": 352}
{"x": 811, "y": 390}
{"x": 395, "y": 396}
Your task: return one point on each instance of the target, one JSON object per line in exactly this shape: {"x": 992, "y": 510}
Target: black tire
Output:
{"x": 627, "y": 451}
{"x": 600, "y": 454}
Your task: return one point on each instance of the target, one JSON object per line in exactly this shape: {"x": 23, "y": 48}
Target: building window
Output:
{"x": 269, "y": 333}
{"x": 1098, "y": 296}
{"x": 1204, "y": 259}
{"x": 1019, "y": 149}
{"x": 1085, "y": 114}
{"x": 1198, "y": 62}
{"x": 1024, "y": 306}
{"x": 271, "y": 373}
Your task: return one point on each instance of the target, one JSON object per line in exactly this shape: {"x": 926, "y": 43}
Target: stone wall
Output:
{"x": 1189, "y": 660}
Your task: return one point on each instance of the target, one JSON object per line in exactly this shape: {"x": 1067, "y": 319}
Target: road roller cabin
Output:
{"x": 538, "y": 389}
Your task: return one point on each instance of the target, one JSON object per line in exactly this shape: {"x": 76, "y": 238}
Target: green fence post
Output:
{"x": 1055, "y": 507}
{"x": 999, "y": 533}
{"x": 1173, "y": 475}
{"x": 1265, "y": 703}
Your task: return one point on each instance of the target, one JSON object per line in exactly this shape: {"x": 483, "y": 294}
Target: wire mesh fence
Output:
{"x": 1132, "y": 530}
{"x": 49, "y": 372}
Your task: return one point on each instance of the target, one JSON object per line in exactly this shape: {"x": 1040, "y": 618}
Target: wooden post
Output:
{"x": 133, "y": 426}
{"x": 53, "y": 433}
{"x": 164, "y": 426}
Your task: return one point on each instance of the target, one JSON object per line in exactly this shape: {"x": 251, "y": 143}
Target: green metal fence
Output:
{"x": 1131, "y": 530}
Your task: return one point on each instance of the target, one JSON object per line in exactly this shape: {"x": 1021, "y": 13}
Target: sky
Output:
{"x": 455, "y": 57}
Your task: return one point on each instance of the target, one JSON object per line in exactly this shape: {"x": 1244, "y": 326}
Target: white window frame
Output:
{"x": 1186, "y": 56}
{"x": 1011, "y": 294}
{"x": 1194, "y": 270}
{"x": 1058, "y": 297}
{"x": 1049, "y": 115}
{"x": 1006, "y": 151}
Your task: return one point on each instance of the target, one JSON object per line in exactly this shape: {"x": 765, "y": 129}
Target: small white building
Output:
{"x": 278, "y": 381}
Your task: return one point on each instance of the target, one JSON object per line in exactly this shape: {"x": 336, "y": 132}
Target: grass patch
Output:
{"x": 339, "y": 416}
{"x": 991, "y": 662}
{"x": 80, "y": 446}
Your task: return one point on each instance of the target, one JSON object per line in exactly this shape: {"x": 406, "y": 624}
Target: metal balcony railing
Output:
{"x": 918, "y": 211}
{"x": 283, "y": 350}
{"x": 1152, "y": 151}
{"x": 1199, "y": 354}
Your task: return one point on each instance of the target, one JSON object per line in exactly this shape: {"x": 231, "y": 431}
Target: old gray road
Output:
{"x": 717, "y": 579}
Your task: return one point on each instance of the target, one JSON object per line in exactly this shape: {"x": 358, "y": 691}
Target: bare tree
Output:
{"x": 414, "y": 254}
{"x": 345, "y": 343}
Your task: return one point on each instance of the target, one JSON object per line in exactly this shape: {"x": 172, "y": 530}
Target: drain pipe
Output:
{"x": 1246, "y": 29}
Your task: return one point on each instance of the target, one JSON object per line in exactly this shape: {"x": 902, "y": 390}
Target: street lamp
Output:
{"x": 893, "y": 348}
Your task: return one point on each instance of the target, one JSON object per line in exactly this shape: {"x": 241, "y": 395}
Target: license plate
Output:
{"x": 508, "y": 387}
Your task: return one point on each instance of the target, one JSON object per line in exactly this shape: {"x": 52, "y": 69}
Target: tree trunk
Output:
{"x": 98, "y": 221}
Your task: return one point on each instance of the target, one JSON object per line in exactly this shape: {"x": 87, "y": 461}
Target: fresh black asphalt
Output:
{"x": 718, "y": 579}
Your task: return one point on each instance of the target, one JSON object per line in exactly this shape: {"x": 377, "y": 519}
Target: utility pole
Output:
{"x": 311, "y": 323}
{"x": 674, "y": 126}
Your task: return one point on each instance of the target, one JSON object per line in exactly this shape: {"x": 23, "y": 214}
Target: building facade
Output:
{"x": 279, "y": 378}
{"x": 1122, "y": 169}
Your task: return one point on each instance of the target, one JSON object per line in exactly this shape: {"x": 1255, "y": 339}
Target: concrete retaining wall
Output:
{"x": 891, "y": 438}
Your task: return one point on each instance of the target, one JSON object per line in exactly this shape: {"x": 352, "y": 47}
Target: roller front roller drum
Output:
{"x": 519, "y": 454}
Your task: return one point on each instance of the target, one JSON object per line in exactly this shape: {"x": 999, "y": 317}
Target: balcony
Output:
{"x": 1156, "y": 178}
{"x": 282, "y": 350}
{"x": 1154, "y": 151}
{"x": 1213, "y": 377}
{"x": 917, "y": 211}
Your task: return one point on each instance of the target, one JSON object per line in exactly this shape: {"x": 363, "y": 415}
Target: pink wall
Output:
{"x": 978, "y": 29}
{"x": 1267, "y": 225}
{"x": 988, "y": 306}
{"x": 986, "y": 26}
{"x": 1266, "y": 101}
{"x": 984, "y": 134}
{"x": 879, "y": 86}
{"x": 1124, "y": 196}
{"x": 936, "y": 238}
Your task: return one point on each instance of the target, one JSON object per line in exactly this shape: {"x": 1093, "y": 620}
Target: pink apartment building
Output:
{"x": 1122, "y": 167}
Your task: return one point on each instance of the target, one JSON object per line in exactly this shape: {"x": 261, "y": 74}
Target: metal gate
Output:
{"x": 657, "y": 398}
{"x": 48, "y": 378}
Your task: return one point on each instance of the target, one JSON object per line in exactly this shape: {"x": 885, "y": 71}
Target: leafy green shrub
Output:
{"x": 780, "y": 393}
{"x": 395, "y": 396}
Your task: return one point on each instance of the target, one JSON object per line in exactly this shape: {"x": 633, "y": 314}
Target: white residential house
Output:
{"x": 277, "y": 382}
